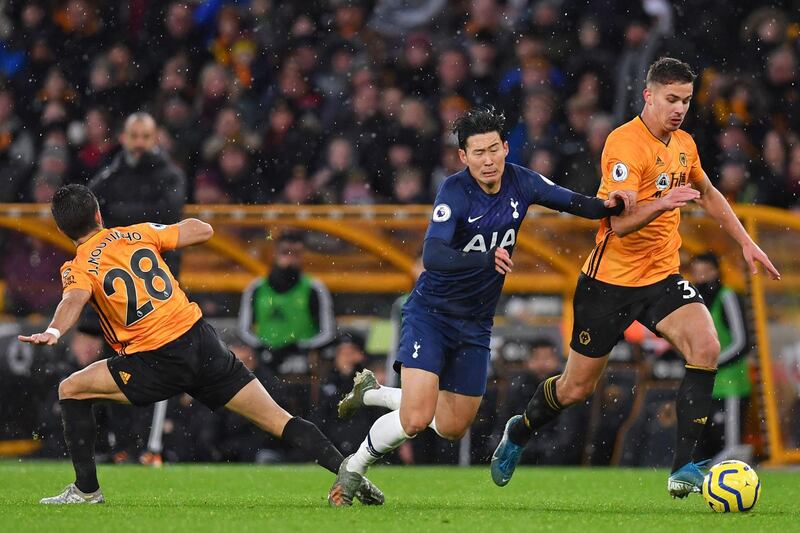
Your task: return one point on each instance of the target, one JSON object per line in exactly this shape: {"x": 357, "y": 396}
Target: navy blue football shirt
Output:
{"x": 470, "y": 220}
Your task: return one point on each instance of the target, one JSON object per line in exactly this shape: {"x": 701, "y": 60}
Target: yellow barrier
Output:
{"x": 372, "y": 249}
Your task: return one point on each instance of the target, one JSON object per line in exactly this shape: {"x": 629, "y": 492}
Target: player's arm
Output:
{"x": 720, "y": 210}
{"x": 437, "y": 253}
{"x": 66, "y": 315}
{"x": 545, "y": 192}
{"x": 193, "y": 231}
{"x": 644, "y": 213}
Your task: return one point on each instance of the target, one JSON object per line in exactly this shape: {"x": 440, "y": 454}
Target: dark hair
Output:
{"x": 74, "y": 207}
{"x": 292, "y": 235}
{"x": 668, "y": 70}
{"x": 476, "y": 121}
{"x": 707, "y": 257}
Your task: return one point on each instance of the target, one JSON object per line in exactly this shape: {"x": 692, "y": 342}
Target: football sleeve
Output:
{"x": 622, "y": 166}
{"x": 165, "y": 237}
{"x": 448, "y": 207}
{"x": 437, "y": 251}
{"x": 544, "y": 192}
{"x": 74, "y": 278}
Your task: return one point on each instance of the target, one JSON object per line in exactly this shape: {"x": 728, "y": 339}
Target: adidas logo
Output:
{"x": 700, "y": 420}
{"x": 125, "y": 377}
{"x": 659, "y": 161}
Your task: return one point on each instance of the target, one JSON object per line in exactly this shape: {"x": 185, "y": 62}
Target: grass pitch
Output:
{"x": 293, "y": 498}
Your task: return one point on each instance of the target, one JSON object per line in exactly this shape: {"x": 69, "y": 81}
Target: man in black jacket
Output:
{"x": 141, "y": 184}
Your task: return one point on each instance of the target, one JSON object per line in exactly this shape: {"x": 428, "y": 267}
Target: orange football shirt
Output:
{"x": 635, "y": 160}
{"x": 140, "y": 304}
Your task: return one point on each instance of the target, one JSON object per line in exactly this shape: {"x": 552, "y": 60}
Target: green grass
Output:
{"x": 292, "y": 498}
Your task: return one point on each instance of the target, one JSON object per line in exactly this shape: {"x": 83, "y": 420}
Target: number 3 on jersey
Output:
{"x": 689, "y": 291}
{"x": 134, "y": 313}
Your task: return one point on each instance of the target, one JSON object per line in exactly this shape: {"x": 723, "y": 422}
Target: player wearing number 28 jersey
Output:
{"x": 163, "y": 345}
{"x": 140, "y": 304}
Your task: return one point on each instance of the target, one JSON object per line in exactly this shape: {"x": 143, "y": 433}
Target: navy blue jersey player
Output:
{"x": 443, "y": 356}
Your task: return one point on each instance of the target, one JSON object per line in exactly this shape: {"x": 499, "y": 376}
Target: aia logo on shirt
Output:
{"x": 478, "y": 242}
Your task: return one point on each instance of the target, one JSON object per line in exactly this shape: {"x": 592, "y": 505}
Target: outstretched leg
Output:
{"x": 76, "y": 395}
{"x": 554, "y": 394}
{"x": 255, "y": 404}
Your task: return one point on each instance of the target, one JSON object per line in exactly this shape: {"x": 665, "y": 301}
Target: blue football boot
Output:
{"x": 687, "y": 479}
{"x": 506, "y": 456}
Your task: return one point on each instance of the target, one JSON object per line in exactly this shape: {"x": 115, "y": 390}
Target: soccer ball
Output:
{"x": 731, "y": 487}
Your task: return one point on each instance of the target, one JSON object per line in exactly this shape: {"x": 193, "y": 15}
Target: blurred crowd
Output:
{"x": 350, "y": 101}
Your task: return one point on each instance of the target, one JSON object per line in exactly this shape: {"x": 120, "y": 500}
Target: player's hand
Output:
{"x": 39, "y": 338}
{"x": 502, "y": 261}
{"x": 753, "y": 254}
{"x": 627, "y": 198}
{"x": 679, "y": 197}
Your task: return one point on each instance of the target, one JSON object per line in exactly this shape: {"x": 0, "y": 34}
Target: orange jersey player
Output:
{"x": 633, "y": 274}
{"x": 636, "y": 161}
{"x": 141, "y": 306}
{"x": 164, "y": 346}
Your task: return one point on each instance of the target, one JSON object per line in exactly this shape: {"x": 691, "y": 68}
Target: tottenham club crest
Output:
{"x": 441, "y": 213}
{"x": 514, "y": 205}
{"x": 682, "y": 159}
{"x": 619, "y": 172}
{"x": 662, "y": 181}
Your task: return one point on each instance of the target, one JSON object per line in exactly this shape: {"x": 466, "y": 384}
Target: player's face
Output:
{"x": 669, "y": 103}
{"x": 485, "y": 157}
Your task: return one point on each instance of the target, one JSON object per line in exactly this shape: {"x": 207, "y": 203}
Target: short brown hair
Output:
{"x": 668, "y": 70}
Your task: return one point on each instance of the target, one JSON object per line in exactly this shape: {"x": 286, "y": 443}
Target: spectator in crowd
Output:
{"x": 415, "y": 73}
{"x": 340, "y": 164}
{"x": 288, "y": 141}
{"x": 180, "y": 122}
{"x": 581, "y": 171}
{"x": 732, "y": 386}
{"x": 537, "y": 128}
{"x": 98, "y": 148}
{"x": 734, "y": 182}
{"x": 449, "y": 164}
{"x": 409, "y": 186}
{"x": 141, "y": 184}
{"x": 228, "y": 129}
{"x": 287, "y": 313}
{"x": 16, "y": 141}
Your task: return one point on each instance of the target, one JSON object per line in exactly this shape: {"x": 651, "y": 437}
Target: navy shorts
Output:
{"x": 455, "y": 349}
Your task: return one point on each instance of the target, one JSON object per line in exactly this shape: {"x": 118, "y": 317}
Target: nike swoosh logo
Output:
{"x": 471, "y": 220}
